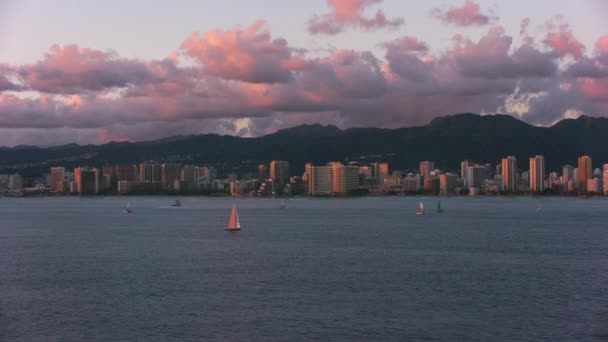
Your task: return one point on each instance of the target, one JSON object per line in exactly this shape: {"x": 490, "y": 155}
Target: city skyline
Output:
{"x": 334, "y": 178}
{"x": 350, "y": 63}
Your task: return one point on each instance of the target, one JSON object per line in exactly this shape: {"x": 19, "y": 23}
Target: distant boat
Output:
{"x": 127, "y": 209}
{"x": 233, "y": 222}
{"x": 283, "y": 204}
{"x": 176, "y": 203}
{"x": 420, "y": 209}
{"x": 539, "y": 207}
{"x": 439, "y": 208}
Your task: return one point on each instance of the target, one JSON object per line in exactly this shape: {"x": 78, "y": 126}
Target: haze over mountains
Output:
{"x": 445, "y": 140}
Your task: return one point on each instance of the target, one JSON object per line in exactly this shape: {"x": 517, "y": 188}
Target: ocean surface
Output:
{"x": 361, "y": 269}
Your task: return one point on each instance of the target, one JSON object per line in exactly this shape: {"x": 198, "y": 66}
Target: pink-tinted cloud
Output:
{"x": 408, "y": 44}
{"x": 349, "y": 13}
{"x": 72, "y": 69}
{"x": 467, "y": 15}
{"x": 562, "y": 41}
{"x": 245, "y": 76}
{"x": 249, "y": 54}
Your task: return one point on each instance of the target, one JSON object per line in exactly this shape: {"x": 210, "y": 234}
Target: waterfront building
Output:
{"x": 279, "y": 172}
{"x": 87, "y": 180}
{"x": 447, "y": 183}
{"x": 537, "y": 174}
{"x": 475, "y": 176}
{"x": 509, "y": 174}
{"x": 14, "y": 182}
{"x": 125, "y": 172}
{"x": 332, "y": 179}
{"x": 150, "y": 172}
{"x": 425, "y": 169}
{"x": 463, "y": 170}
{"x": 57, "y": 178}
{"x": 263, "y": 173}
{"x": 594, "y": 185}
{"x": 411, "y": 183}
{"x": 584, "y": 172}
{"x": 605, "y": 179}
{"x": 169, "y": 174}
{"x": 380, "y": 172}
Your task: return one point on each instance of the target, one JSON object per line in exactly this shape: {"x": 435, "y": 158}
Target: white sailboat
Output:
{"x": 127, "y": 209}
{"x": 420, "y": 209}
{"x": 233, "y": 222}
{"x": 539, "y": 207}
{"x": 283, "y": 204}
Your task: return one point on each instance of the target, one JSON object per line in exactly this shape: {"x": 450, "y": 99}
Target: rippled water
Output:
{"x": 488, "y": 269}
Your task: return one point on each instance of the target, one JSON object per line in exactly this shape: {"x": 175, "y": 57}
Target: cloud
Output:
{"x": 244, "y": 81}
{"x": 564, "y": 43}
{"x": 249, "y": 54}
{"x": 71, "y": 69}
{"x": 349, "y": 13}
{"x": 467, "y": 15}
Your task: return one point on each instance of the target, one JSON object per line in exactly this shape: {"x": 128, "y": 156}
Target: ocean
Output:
{"x": 351, "y": 269}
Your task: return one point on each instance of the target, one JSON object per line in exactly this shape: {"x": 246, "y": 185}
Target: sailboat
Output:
{"x": 233, "y": 222}
{"x": 420, "y": 209}
{"x": 539, "y": 207}
{"x": 283, "y": 204}
{"x": 127, "y": 209}
{"x": 439, "y": 208}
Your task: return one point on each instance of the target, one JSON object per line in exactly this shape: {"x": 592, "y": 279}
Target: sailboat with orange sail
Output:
{"x": 233, "y": 222}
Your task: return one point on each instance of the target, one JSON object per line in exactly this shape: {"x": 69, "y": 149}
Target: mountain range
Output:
{"x": 446, "y": 140}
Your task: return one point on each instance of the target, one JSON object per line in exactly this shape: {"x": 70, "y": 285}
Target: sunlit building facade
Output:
{"x": 584, "y": 172}
{"x": 537, "y": 174}
{"x": 509, "y": 174}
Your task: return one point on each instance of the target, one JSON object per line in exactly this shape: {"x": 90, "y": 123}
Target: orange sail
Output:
{"x": 233, "y": 222}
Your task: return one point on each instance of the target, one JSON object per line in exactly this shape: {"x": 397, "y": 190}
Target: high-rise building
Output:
{"x": 509, "y": 174}
{"x": 380, "y": 172}
{"x": 169, "y": 174}
{"x": 150, "y": 172}
{"x": 584, "y": 172}
{"x": 463, "y": 170}
{"x": 279, "y": 172}
{"x": 595, "y": 185}
{"x": 411, "y": 183}
{"x": 57, "y": 178}
{"x": 537, "y": 174}
{"x": 567, "y": 173}
{"x": 14, "y": 182}
{"x": 263, "y": 173}
{"x": 125, "y": 173}
{"x": 319, "y": 180}
{"x": 344, "y": 178}
{"x": 475, "y": 176}
{"x": 425, "y": 169}
{"x": 447, "y": 183}
{"x": 187, "y": 174}
{"x": 606, "y": 179}
{"x": 87, "y": 180}
{"x": 332, "y": 179}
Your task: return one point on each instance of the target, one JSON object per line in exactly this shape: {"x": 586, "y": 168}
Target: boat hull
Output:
{"x": 232, "y": 229}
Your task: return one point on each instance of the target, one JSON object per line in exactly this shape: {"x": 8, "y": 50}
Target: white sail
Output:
{"x": 238, "y": 223}
{"x": 420, "y": 209}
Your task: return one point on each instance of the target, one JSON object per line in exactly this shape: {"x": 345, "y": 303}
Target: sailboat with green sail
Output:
{"x": 439, "y": 207}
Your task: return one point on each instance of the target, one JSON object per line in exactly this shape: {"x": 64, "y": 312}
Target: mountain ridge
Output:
{"x": 447, "y": 140}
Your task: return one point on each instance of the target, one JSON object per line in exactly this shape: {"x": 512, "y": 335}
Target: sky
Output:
{"x": 99, "y": 71}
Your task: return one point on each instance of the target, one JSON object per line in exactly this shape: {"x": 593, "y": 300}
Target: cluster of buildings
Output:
{"x": 332, "y": 179}
{"x": 10, "y": 183}
{"x": 507, "y": 177}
